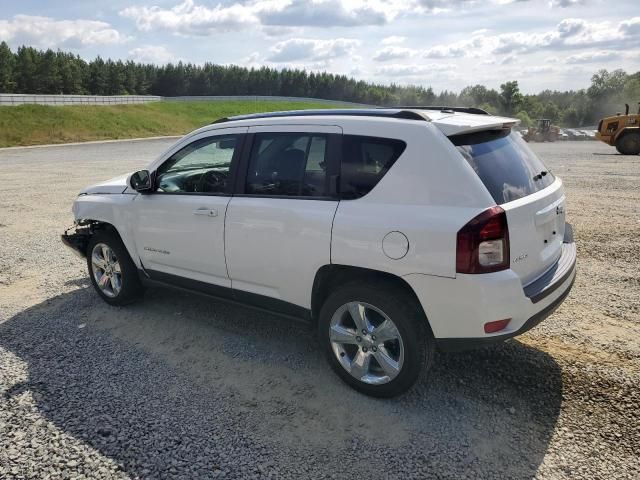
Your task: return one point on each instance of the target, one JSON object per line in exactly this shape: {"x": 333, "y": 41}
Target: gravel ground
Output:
{"x": 182, "y": 386}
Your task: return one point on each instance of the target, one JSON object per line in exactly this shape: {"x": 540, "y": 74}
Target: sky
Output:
{"x": 445, "y": 44}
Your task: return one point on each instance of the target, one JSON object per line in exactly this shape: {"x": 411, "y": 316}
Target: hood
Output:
{"x": 115, "y": 185}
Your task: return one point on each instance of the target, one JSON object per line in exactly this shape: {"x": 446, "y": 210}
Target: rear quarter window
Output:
{"x": 365, "y": 160}
{"x": 505, "y": 164}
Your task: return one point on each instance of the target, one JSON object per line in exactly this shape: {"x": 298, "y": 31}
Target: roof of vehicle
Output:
{"x": 450, "y": 120}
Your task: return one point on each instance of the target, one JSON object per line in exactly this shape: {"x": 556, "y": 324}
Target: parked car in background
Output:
{"x": 575, "y": 134}
{"x": 395, "y": 231}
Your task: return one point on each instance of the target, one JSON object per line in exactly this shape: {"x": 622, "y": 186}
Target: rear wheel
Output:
{"x": 376, "y": 338}
{"x": 629, "y": 144}
{"x": 112, "y": 272}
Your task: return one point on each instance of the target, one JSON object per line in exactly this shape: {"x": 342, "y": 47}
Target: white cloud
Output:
{"x": 325, "y": 13}
{"x": 568, "y": 34}
{"x": 307, "y": 49}
{"x": 47, "y": 32}
{"x": 508, "y": 60}
{"x": 447, "y": 51}
{"x": 411, "y": 71}
{"x": 594, "y": 57}
{"x": 566, "y": 3}
{"x": 536, "y": 69}
{"x": 437, "y": 6}
{"x": 393, "y": 40}
{"x": 187, "y": 18}
{"x": 191, "y": 18}
{"x": 157, "y": 54}
{"x": 252, "y": 58}
{"x": 393, "y": 53}
{"x": 631, "y": 27}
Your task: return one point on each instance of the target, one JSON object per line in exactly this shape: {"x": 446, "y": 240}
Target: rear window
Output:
{"x": 365, "y": 160}
{"x": 504, "y": 163}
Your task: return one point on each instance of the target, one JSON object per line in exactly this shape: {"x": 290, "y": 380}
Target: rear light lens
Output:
{"x": 483, "y": 243}
{"x": 493, "y": 327}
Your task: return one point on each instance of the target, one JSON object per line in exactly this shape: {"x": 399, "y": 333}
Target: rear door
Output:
{"x": 523, "y": 186}
{"x": 278, "y": 225}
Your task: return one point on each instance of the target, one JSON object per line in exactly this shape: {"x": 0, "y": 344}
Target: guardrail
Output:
{"x": 8, "y": 99}
{"x": 22, "y": 99}
{"x": 255, "y": 98}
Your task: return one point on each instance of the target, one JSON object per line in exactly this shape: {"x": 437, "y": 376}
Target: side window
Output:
{"x": 290, "y": 164}
{"x": 365, "y": 160}
{"x": 201, "y": 167}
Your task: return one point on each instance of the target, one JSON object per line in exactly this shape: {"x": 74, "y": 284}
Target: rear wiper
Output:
{"x": 540, "y": 175}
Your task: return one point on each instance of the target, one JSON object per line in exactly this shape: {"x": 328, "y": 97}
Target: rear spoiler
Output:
{"x": 461, "y": 124}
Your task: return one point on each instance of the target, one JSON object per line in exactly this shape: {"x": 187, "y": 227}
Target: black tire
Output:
{"x": 628, "y": 144}
{"x": 409, "y": 319}
{"x": 131, "y": 288}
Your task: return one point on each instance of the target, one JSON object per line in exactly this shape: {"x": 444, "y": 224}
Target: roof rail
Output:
{"x": 473, "y": 110}
{"x": 402, "y": 113}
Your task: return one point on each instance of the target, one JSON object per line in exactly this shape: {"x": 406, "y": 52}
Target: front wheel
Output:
{"x": 629, "y": 144}
{"x": 112, "y": 272}
{"x": 376, "y": 337}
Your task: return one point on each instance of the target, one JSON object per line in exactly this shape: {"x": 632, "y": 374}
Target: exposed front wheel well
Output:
{"x": 330, "y": 277}
{"x": 84, "y": 229}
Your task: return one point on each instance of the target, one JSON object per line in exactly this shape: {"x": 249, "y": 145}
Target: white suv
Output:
{"x": 396, "y": 231}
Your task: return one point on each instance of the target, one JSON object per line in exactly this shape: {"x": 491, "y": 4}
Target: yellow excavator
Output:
{"x": 544, "y": 132}
{"x": 621, "y": 131}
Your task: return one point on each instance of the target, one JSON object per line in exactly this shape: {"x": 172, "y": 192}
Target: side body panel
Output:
{"x": 183, "y": 234}
{"x": 428, "y": 195}
{"x": 275, "y": 246}
{"x": 173, "y": 237}
{"x": 115, "y": 209}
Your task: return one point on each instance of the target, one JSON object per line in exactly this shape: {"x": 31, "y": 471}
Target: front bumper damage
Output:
{"x": 76, "y": 238}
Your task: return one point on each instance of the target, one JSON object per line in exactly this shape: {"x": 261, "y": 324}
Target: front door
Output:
{"x": 179, "y": 228}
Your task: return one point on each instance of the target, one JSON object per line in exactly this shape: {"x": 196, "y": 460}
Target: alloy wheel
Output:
{"x": 366, "y": 343}
{"x": 106, "y": 270}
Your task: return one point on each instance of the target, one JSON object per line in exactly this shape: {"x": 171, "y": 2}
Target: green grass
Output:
{"x": 40, "y": 124}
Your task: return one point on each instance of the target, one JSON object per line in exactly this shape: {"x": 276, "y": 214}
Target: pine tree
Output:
{"x": 25, "y": 70}
{"x": 97, "y": 78}
{"x": 48, "y": 79}
{"x": 7, "y": 66}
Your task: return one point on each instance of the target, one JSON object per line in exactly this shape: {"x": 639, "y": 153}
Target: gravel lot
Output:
{"x": 182, "y": 386}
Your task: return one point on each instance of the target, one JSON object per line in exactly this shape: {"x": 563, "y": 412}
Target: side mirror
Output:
{"x": 141, "y": 181}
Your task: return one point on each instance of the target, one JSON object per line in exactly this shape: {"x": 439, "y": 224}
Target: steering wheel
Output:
{"x": 208, "y": 180}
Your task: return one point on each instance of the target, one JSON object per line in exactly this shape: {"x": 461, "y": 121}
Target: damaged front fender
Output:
{"x": 77, "y": 238}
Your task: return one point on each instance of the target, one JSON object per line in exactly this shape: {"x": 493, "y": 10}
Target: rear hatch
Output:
{"x": 523, "y": 186}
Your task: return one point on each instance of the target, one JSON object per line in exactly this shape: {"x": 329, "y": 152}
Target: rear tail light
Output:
{"x": 483, "y": 243}
{"x": 493, "y": 327}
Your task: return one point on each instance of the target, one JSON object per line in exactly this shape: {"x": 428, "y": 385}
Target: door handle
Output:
{"x": 209, "y": 212}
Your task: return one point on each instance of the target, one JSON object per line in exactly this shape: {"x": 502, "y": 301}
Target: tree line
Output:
{"x": 30, "y": 70}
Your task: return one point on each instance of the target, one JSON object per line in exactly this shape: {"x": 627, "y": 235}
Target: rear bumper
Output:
{"x": 457, "y": 309}
{"x": 556, "y": 276}
{"x": 459, "y": 344}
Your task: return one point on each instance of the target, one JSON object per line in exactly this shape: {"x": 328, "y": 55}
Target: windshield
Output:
{"x": 504, "y": 163}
